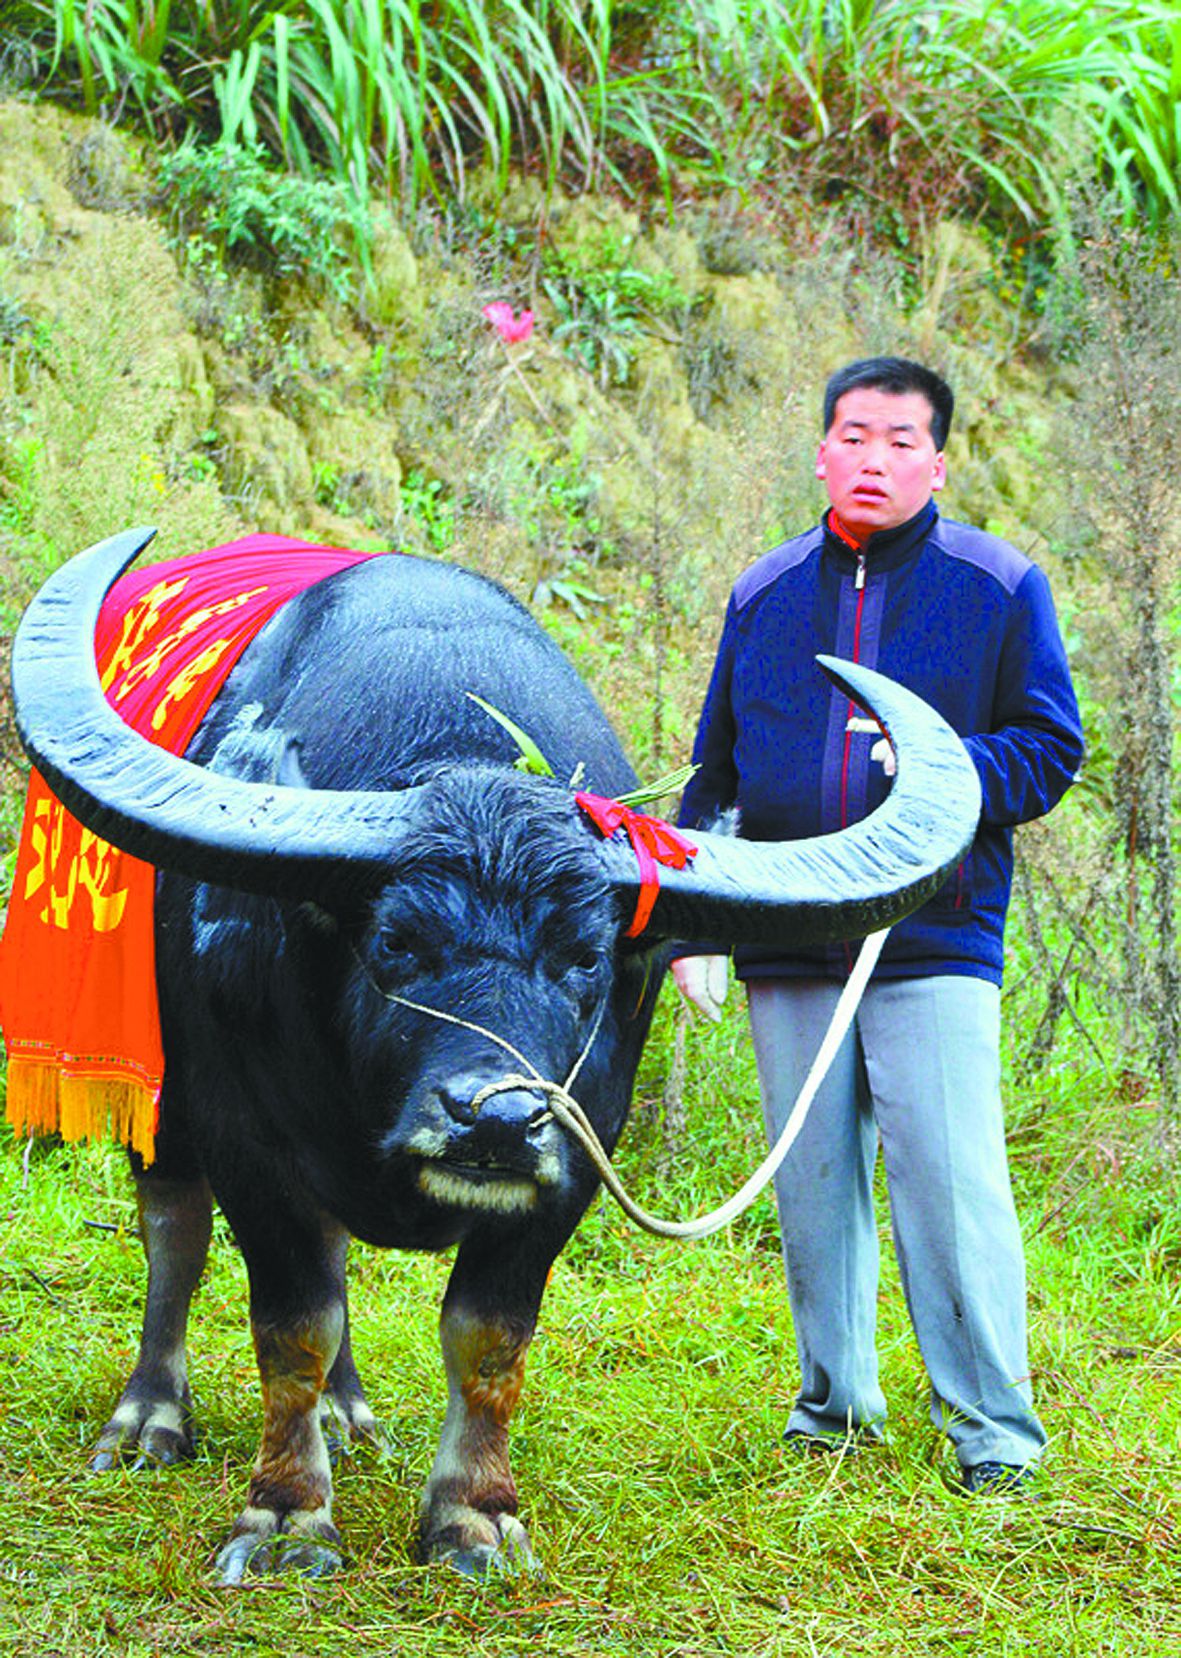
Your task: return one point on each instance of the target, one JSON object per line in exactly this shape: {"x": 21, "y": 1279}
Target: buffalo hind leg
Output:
{"x": 153, "y": 1420}
{"x": 346, "y": 1419}
{"x": 468, "y": 1516}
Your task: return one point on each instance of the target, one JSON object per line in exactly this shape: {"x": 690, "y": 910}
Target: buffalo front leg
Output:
{"x": 295, "y": 1260}
{"x": 286, "y": 1524}
{"x": 469, "y": 1508}
{"x": 153, "y": 1420}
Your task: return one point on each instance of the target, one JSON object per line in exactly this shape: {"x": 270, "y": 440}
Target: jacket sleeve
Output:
{"x": 1031, "y": 755}
{"x": 714, "y": 785}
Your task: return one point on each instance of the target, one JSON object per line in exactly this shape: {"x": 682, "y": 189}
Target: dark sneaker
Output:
{"x": 997, "y": 1479}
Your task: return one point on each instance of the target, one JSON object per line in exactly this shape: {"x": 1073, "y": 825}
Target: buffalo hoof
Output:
{"x": 264, "y": 1544}
{"x": 149, "y": 1432}
{"x": 348, "y": 1425}
{"x": 481, "y": 1544}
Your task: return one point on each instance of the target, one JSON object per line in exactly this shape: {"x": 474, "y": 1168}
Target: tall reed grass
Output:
{"x": 922, "y": 108}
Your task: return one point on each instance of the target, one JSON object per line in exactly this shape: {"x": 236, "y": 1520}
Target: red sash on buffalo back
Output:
{"x": 77, "y": 959}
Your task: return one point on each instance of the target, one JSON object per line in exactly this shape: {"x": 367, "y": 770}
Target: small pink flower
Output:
{"x": 507, "y": 324}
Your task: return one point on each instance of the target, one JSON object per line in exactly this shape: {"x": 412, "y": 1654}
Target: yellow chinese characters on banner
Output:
{"x": 70, "y": 865}
{"x": 88, "y": 873}
{"x": 139, "y": 624}
{"x": 133, "y": 667}
{"x": 69, "y": 1072}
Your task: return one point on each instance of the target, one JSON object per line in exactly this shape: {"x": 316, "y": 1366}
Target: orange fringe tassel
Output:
{"x": 44, "y": 1100}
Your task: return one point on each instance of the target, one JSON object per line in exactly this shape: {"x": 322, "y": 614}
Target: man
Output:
{"x": 968, "y": 623}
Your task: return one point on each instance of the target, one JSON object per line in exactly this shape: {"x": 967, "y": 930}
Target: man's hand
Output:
{"x": 702, "y": 981}
{"x": 881, "y": 751}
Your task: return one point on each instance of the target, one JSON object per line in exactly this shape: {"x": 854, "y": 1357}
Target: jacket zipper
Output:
{"x": 859, "y": 589}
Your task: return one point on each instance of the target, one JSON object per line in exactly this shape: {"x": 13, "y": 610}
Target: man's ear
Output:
{"x": 939, "y": 471}
{"x": 820, "y": 466}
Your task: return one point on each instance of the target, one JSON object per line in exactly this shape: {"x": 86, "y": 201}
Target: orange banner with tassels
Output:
{"x": 77, "y": 959}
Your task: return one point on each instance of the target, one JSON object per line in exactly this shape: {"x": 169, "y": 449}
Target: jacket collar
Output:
{"x": 888, "y": 548}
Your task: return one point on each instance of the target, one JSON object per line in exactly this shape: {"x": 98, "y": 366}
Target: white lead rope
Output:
{"x": 838, "y": 1029}
{"x": 575, "y": 1121}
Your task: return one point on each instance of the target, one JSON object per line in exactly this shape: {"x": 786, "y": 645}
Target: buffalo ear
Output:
{"x": 317, "y": 942}
{"x": 317, "y": 922}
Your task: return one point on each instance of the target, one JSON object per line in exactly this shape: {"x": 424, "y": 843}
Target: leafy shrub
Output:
{"x": 227, "y": 195}
{"x": 604, "y": 303}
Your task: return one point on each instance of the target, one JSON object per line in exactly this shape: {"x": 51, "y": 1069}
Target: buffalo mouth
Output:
{"x": 486, "y": 1186}
{"x": 488, "y": 1165}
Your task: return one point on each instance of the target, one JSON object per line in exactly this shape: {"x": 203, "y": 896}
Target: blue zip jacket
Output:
{"x": 957, "y": 616}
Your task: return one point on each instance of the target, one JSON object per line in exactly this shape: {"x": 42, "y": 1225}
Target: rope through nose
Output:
{"x": 464, "y": 1024}
{"x": 534, "y": 1080}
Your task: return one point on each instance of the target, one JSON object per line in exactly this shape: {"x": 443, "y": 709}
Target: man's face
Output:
{"x": 878, "y": 459}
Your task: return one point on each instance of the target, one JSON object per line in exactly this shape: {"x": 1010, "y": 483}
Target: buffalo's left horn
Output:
{"x": 841, "y": 885}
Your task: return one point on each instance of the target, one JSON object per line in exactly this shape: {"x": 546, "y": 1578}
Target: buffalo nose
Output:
{"x": 517, "y": 1108}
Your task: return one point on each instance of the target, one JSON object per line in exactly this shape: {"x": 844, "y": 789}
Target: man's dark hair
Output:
{"x": 898, "y": 375}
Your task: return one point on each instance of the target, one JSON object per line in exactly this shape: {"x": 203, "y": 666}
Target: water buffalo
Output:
{"x": 345, "y": 847}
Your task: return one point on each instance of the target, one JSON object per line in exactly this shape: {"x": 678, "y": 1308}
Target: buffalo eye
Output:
{"x": 583, "y": 975}
{"x": 394, "y": 947}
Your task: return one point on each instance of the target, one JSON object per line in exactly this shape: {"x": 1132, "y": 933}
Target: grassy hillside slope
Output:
{"x": 616, "y": 470}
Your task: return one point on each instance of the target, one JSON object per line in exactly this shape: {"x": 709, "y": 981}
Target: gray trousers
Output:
{"x": 920, "y": 1068}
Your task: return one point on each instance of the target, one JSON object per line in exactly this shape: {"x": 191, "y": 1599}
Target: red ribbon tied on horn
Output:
{"x": 654, "y": 842}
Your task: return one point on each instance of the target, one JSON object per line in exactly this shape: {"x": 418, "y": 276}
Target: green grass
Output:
{"x": 668, "y": 1516}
